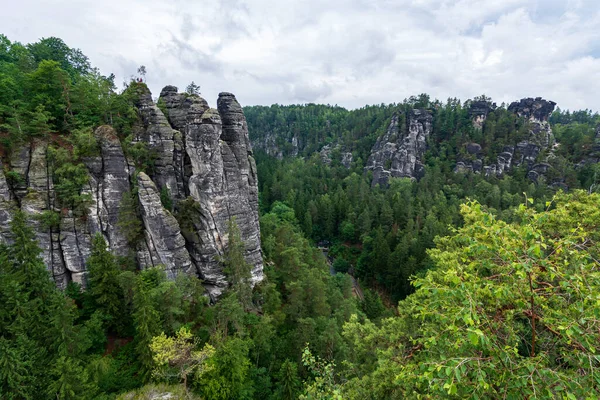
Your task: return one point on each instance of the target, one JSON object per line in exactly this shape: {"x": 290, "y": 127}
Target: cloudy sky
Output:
{"x": 346, "y": 52}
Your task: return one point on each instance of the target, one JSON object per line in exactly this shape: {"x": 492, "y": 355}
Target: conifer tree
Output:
{"x": 146, "y": 321}
{"x": 236, "y": 267}
{"x": 289, "y": 383}
{"x": 71, "y": 381}
{"x": 104, "y": 281}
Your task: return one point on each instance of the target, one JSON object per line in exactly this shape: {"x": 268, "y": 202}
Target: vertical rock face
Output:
{"x": 537, "y": 109}
{"x": 241, "y": 185}
{"x": 399, "y": 152}
{"x": 203, "y": 159}
{"x": 206, "y": 240}
{"x": 536, "y": 112}
{"x": 217, "y": 174}
{"x": 276, "y": 144}
{"x": 178, "y": 106}
{"x": 109, "y": 186}
{"x": 6, "y": 207}
{"x": 163, "y": 234}
{"x": 479, "y": 110}
{"x": 347, "y": 160}
{"x": 154, "y": 130}
{"x": 325, "y": 154}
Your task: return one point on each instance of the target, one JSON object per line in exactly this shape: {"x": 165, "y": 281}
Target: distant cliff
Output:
{"x": 202, "y": 175}
{"x": 399, "y": 140}
{"x": 399, "y": 153}
{"x": 538, "y": 138}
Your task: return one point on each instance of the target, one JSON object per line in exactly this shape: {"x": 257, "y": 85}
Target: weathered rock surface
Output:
{"x": 399, "y": 152}
{"x": 240, "y": 184}
{"x": 154, "y": 130}
{"x": 6, "y": 207}
{"x": 536, "y": 113}
{"x": 325, "y": 154}
{"x": 278, "y": 146}
{"x": 536, "y": 109}
{"x": 212, "y": 166}
{"x": 203, "y": 156}
{"x": 109, "y": 186}
{"x": 347, "y": 159}
{"x": 479, "y": 110}
{"x": 178, "y": 106}
{"x": 163, "y": 234}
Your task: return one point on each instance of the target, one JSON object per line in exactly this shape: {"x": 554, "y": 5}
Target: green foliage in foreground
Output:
{"x": 510, "y": 311}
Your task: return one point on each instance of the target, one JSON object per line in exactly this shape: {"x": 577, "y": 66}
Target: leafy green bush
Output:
{"x": 143, "y": 157}
{"x": 13, "y": 178}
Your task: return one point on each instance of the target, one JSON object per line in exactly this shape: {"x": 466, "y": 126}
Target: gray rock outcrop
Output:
{"x": 203, "y": 159}
{"x": 162, "y": 233}
{"x": 347, "y": 159}
{"x": 399, "y": 152}
{"x": 536, "y": 113}
{"x": 479, "y": 110}
{"x": 162, "y": 140}
{"x": 278, "y": 146}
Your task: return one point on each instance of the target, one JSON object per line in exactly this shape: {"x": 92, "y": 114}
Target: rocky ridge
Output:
{"x": 203, "y": 161}
{"x": 536, "y": 113}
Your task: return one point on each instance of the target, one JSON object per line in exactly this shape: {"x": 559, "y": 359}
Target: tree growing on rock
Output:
{"x": 193, "y": 89}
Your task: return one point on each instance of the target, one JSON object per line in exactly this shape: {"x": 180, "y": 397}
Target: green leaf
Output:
{"x": 473, "y": 337}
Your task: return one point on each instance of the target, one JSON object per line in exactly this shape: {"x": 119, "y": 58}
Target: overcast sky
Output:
{"x": 346, "y": 52}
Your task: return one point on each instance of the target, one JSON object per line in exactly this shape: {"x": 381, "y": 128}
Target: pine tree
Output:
{"x": 147, "y": 324}
{"x": 236, "y": 267}
{"x": 289, "y": 383}
{"x": 15, "y": 366}
{"x": 129, "y": 222}
{"x": 70, "y": 381}
{"x": 103, "y": 281}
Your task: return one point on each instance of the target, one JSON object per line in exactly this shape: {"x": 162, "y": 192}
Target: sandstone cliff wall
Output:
{"x": 203, "y": 158}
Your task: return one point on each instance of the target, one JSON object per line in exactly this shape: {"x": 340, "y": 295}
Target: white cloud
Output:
{"x": 349, "y": 52}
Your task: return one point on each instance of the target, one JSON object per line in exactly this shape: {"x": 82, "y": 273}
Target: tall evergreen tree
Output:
{"x": 237, "y": 269}
{"x": 146, "y": 321}
{"x": 103, "y": 282}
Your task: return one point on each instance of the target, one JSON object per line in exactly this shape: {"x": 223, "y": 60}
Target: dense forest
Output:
{"x": 380, "y": 234}
{"x": 455, "y": 285}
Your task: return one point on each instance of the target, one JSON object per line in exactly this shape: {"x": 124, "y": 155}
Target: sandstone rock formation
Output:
{"x": 479, "y": 110}
{"x": 347, "y": 159}
{"x": 536, "y": 113}
{"x": 399, "y": 152}
{"x": 165, "y": 243}
{"x": 203, "y": 161}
